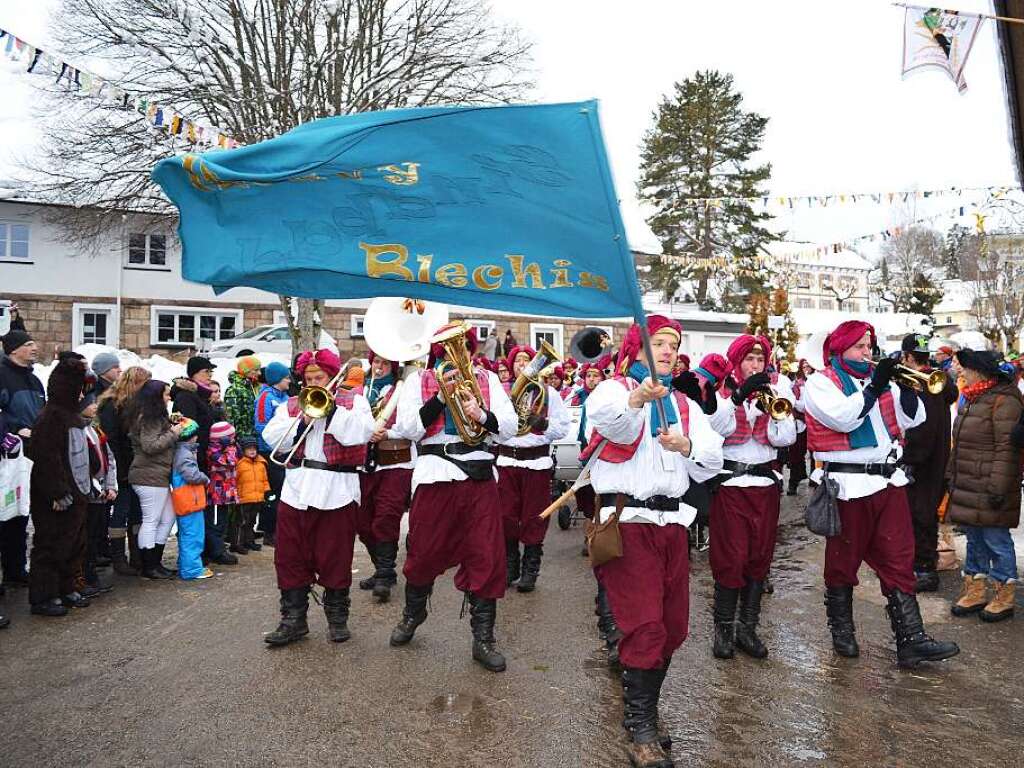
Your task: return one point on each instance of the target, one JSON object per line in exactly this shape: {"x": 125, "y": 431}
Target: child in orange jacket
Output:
{"x": 253, "y": 486}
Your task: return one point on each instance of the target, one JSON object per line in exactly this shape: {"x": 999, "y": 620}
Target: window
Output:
{"x": 825, "y": 281}
{"x": 13, "y": 241}
{"x": 147, "y": 250}
{"x": 94, "y": 324}
{"x": 279, "y": 334}
{"x": 803, "y": 303}
{"x": 803, "y": 280}
{"x": 849, "y": 306}
{"x": 185, "y": 326}
{"x": 826, "y": 304}
{"x": 356, "y": 328}
{"x": 552, "y": 334}
{"x": 483, "y": 328}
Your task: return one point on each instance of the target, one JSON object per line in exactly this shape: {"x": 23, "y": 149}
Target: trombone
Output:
{"x": 934, "y": 382}
{"x": 776, "y": 407}
{"x": 316, "y": 403}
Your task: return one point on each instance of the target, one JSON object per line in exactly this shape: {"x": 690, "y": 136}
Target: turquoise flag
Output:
{"x": 509, "y": 208}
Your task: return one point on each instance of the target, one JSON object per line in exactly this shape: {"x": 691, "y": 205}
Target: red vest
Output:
{"x": 744, "y": 431}
{"x": 334, "y": 452}
{"x": 619, "y": 453}
{"x": 429, "y": 388}
{"x": 821, "y": 438}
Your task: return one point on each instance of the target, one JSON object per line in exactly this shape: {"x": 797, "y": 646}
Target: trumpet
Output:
{"x": 934, "y": 382}
{"x": 776, "y": 407}
{"x": 529, "y": 393}
{"x": 316, "y": 403}
{"x": 457, "y": 359}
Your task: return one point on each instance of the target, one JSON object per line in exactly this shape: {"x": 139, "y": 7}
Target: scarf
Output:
{"x": 449, "y": 420}
{"x": 378, "y": 385}
{"x": 973, "y": 391}
{"x": 864, "y": 435}
{"x": 638, "y": 372}
{"x": 582, "y": 396}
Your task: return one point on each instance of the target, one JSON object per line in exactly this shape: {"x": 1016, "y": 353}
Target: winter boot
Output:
{"x": 1001, "y": 606}
{"x": 750, "y": 613}
{"x": 482, "y": 614}
{"x": 724, "y": 615}
{"x": 370, "y": 581}
{"x": 159, "y": 562}
{"x": 606, "y": 626}
{"x": 664, "y": 738}
{"x": 117, "y": 557}
{"x": 149, "y": 564}
{"x": 532, "y": 554}
{"x": 233, "y": 535}
{"x": 640, "y": 717}
{"x": 972, "y": 595}
{"x": 414, "y": 613}
{"x": 839, "y": 610}
{"x": 336, "y": 605}
{"x": 54, "y": 607}
{"x": 386, "y": 577}
{"x": 927, "y": 581}
{"x": 512, "y": 561}
{"x": 134, "y": 553}
{"x": 912, "y": 644}
{"x": 293, "y": 626}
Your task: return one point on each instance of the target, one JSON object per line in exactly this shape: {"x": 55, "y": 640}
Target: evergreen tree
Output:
{"x": 788, "y": 336}
{"x": 955, "y": 238}
{"x": 700, "y": 148}
{"x": 924, "y": 297}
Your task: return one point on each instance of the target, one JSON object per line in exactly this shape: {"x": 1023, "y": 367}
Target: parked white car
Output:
{"x": 264, "y": 338}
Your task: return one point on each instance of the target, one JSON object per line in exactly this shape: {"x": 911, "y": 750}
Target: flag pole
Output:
{"x": 1007, "y": 19}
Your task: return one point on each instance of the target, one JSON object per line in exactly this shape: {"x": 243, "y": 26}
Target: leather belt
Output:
{"x": 739, "y": 468}
{"x": 475, "y": 469}
{"x": 656, "y": 503}
{"x": 524, "y": 454}
{"x": 885, "y": 469}
{"x": 452, "y": 449}
{"x": 314, "y": 464}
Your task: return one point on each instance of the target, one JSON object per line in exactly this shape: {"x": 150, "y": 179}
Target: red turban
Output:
{"x": 324, "y": 359}
{"x": 511, "y": 359}
{"x": 741, "y": 347}
{"x": 559, "y": 371}
{"x": 570, "y": 362}
{"x": 845, "y": 336}
{"x": 632, "y": 344}
{"x": 394, "y": 365}
{"x": 591, "y": 367}
{"x": 437, "y": 351}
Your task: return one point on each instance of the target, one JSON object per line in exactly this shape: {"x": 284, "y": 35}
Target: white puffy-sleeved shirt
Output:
{"x": 305, "y": 487}
{"x": 393, "y": 434}
{"x": 799, "y": 407}
{"x": 559, "y": 421}
{"x": 652, "y": 471}
{"x": 781, "y": 434}
{"x": 826, "y": 402}
{"x": 434, "y": 469}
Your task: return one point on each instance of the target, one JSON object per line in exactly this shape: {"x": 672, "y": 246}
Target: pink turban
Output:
{"x": 845, "y": 336}
{"x": 741, "y": 347}
{"x": 632, "y": 344}
{"x": 511, "y": 359}
{"x": 324, "y": 359}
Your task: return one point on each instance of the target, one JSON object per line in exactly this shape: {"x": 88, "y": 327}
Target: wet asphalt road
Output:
{"x": 176, "y": 674}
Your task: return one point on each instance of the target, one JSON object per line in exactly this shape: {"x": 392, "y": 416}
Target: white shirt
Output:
{"x": 559, "y": 421}
{"x": 393, "y": 434}
{"x": 781, "y": 433}
{"x": 837, "y": 411}
{"x": 435, "y": 469}
{"x": 652, "y": 471}
{"x": 799, "y": 407}
{"x": 320, "y": 488}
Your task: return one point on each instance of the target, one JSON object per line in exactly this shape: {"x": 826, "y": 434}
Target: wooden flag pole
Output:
{"x": 1007, "y": 19}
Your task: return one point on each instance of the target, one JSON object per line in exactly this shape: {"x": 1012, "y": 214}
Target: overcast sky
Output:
{"x": 826, "y": 73}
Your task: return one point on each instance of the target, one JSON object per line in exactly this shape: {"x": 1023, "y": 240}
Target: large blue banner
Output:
{"x": 509, "y": 208}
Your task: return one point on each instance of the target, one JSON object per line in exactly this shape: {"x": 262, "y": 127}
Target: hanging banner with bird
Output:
{"x": 934, "y": 38}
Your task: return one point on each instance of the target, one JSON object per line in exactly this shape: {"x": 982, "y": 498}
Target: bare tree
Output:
{"x": 997, "y": 301}
{"x": 914, "y": 253}
{"x": 254, "y": 68}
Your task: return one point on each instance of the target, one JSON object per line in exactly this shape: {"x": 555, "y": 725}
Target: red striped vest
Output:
{"x": 619, "y": 453}
{"x": 744, "y": 431}
{"x": 334, "y": 452}
{"x": 821, "y": 438}
{"x": 429, "y": 388}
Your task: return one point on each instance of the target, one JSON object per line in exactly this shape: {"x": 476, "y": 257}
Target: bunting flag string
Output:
{"x": 200, "y": 135}
{"x": 793, "y": 202}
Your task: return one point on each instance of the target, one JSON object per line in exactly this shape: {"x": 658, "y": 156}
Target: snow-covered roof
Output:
{"x": 957, "y": 296}
{"x": 811, "y": 255}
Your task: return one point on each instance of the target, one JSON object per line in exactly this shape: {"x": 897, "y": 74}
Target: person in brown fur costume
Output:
{"x": 59, "y": 491}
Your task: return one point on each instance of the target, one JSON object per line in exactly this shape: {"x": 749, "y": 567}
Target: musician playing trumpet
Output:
{"x": 452, "y": 411}
{"x": 316, "y": 516}
{"x": 745, "y": 507}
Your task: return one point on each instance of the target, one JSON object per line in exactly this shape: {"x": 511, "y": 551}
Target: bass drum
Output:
{"x": 566, "y": 451}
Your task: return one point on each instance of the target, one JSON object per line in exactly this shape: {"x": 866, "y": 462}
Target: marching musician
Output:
{"x": 856, "y": 417}
{"x": 455, "y": 517}
{"x": 641, "y": 476}
{"x": 316, "y": 516}
{"x": 385, "y": 483}
{"x": 524, "y": 479}
{"x": 797, "y": 454}
{"x": 745, "y": 507}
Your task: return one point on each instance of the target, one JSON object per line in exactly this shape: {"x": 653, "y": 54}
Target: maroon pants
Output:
{"x": 585, "y": 499}
{"x": 457, "y": 523}
{"x": 314, "y": 546}
{"x": 524, "y": 493}
{"x": 745, "y": 521}
{"x": 384, "y": 497}
{"x": 649, "y": 592}
{"x": 875, "y": 530}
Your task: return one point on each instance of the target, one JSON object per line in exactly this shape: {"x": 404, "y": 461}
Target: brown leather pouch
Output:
{"x": 393, "y": 452}
{"x": 604, "y": 541}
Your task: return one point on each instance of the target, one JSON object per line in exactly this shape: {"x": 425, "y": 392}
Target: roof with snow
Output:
{"x": 810, "y": 254}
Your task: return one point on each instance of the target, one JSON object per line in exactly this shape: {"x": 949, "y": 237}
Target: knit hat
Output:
{"x": 189, "y": 428}
{"x": 248, "y": 442}
{"x": 103, "y": 362}
{"x": 248, "y": 366}
{"x": 275, "y": 372}
{"x": 197, "y": 364}
{"x": 14, "y": 340}
{"x": 221, "y": 430}
{"x": 983, "y": 361}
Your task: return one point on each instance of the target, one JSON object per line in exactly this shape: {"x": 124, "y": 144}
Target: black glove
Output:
{"x": 538, "y": 422}
{"x": 686, "y": 382}
{"x": 756, "y": 382}
{"x": 883, "y": 375}
{"x": 996, "y": 501}
{"x": 431, "y": 410}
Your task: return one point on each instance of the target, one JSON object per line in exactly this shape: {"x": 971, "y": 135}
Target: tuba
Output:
{"x": 529, "y": 392}
{"x": 453, "y": 340}
{"x": 934, "y": 382}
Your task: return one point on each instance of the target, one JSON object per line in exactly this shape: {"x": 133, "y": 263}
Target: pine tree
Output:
{"x": 955, "y": 238}
{"x": 700, "y": 148}
{"x": 788, "y": 336}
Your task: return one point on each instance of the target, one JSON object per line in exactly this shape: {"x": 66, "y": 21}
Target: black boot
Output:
{"x": 532, "y": 554}
{"x": 482, "y": 614}
{"x": 159, "y": 562}
{"x": 149, "y": 564}
{"x": 606, "y": 626}
{"x": 664, "y": 738}
{"x": 293, "y": 626}
{"x": 117, "y": 557}
{"x": 913, "y": 645}
{"x": 750, "y": 613}
{"x": 370, "y": 581}
{"x": 927, "y": 581}
{"x": 511, "y": 561}
{"x": 640, "y": 689}
{"x": 414, "y": 613}
{"x": 724, "y": 615}
{"x": 336, "y": 605}
{"x": 839, "y": 609}
{"x": 134, "y": 553}
{"x": 386, "y": 577}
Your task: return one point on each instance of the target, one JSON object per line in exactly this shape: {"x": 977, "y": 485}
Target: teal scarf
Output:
{"x": 378, "y": 385}
{"x": 638, "y": 372}
{"x": 864, "y": 435}
{"x": 449, "y": 421}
